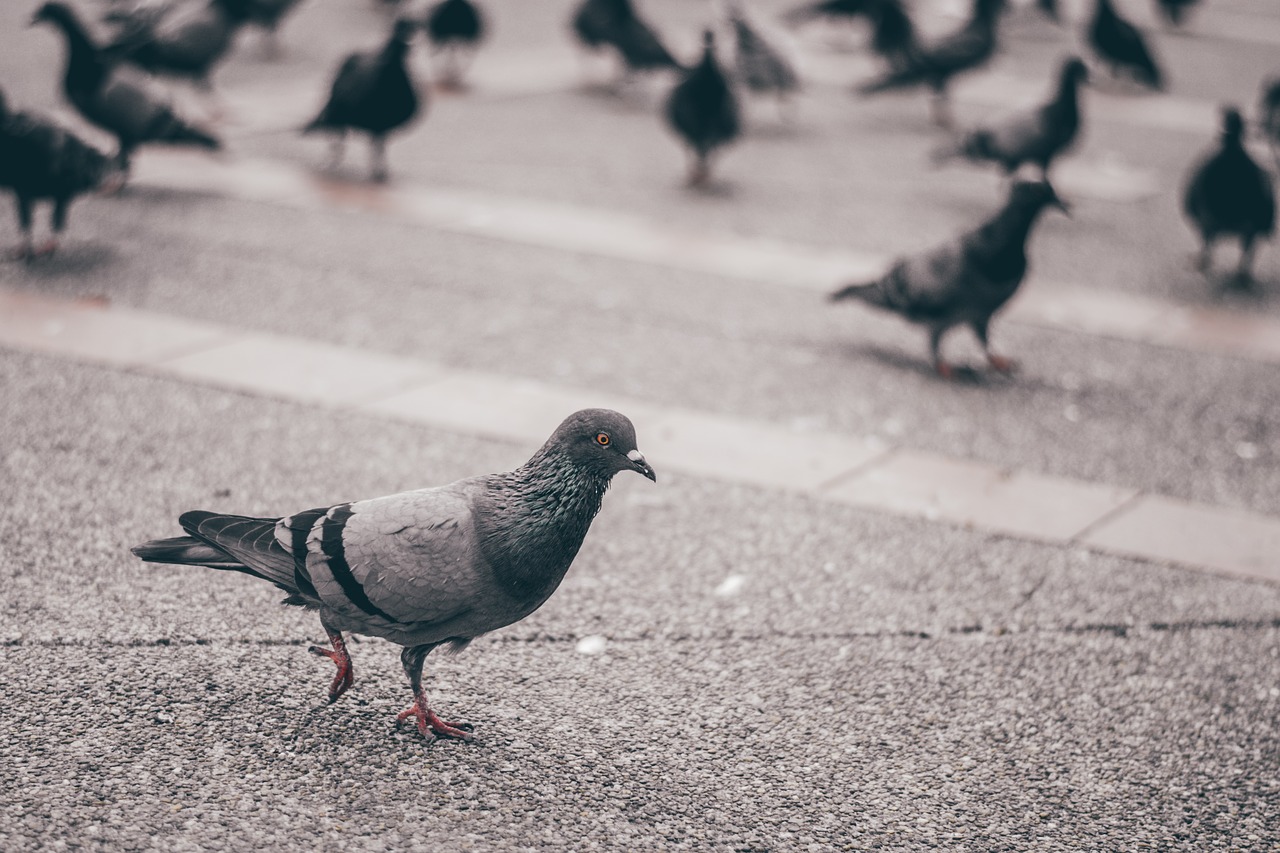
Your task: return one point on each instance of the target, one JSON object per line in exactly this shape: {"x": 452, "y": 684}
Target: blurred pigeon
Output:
{"x": 186, "y": 41}
{"x": 892, "y": 35}
{"x": 430, "y": 567}
{"x": 1121, "y": 46}
{"x": 268, "y": 14}
{"x": 1175, "y": 11}
{"x": 827, "y": 9}
{"x": 454, "y": 28}
{"x": 374, "y": 93}
{"x": 1229, "y": 195}
{"x": 934, "y": 64}
{"x": 966, "y": 280}
{"x": 1269, "y": 117}
{"x": 121, "y": 101}
{"x": 1037, "y": 136}
{"x": 759, "y": 65}
{"x": 40, "y": 160}
{"x": 703, "y": 110}
{"x": 614, "y": 23}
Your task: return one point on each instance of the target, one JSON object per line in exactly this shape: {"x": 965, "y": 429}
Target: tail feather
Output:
{"x": 186, "y": 551}
{"x": 867, "y": 291}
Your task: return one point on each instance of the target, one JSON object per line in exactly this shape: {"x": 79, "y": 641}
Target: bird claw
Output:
{"x": 345, "y": 676}
{"x": 432, "y": 726}
{"x": 1001, "y": 364}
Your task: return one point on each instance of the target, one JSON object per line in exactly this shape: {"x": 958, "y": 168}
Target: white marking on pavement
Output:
{"x": 550, "y": 225}
{"x": 835, "y": 467}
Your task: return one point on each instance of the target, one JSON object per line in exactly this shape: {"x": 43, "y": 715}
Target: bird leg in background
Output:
{"x": 935, "y": 339}
{"x": 24, "y": 251}
{"x": 699, "y": 170}
{"x": 1205, "y": 259}
{"x": 378, "y": 154}
{"x": 337, "y": 147}
{"x": 412, "y": 659}
{"x": 997, "y": 362}
{"x": 1244, "y": 273}
{"x": 940, "y": 110}
{"x": 338, "y": 654}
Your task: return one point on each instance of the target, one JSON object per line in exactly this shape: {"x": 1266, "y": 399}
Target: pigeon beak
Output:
{"x": 638, "y": 462}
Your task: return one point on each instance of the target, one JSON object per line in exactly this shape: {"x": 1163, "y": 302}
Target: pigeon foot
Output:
{"x": 346, "y": 674}
{"x": 945, "y": 370}
{"x": 1001, "y": 363}
{"x": 432, "y": 726}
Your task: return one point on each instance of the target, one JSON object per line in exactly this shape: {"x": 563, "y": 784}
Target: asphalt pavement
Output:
{"x": 726, "y": 667}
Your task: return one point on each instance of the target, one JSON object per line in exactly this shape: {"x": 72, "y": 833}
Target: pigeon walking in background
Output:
{"x": 430, "y": 567}
{"x": 454, "y": 29}
{"x": 1229, "y": 195}
{"x": 966, "y": 280}
{"x": 892, "y": 31}
{"x": 615, "y": 24}
{"x": 760, "y": 66}
{"x": 372, "y": 92}
{"x": 268, "y": 14}
{"x": 703, "y": 110}
{"x": 41, "y": 161}
{"x": 1175, "y": 11}
{"x": 1269, "y": 117}
{"x": 933, "y": 65}
{"x": 187, "y": 41}
{"x": 119, "y": 100}
{"x": 1121, "y": 46}
{"x": 1037, "y": 136}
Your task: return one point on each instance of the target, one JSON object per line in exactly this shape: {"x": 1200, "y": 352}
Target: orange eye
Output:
{"x": 602, "y": 439}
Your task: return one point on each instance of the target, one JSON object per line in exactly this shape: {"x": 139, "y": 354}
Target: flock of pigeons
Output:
{"x": 962, "y": 283}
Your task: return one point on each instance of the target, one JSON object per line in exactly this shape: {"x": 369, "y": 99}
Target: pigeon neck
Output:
{"x": 1004, "y": 237}
{"x": 1068, "y": 89}
{"x": 84, "y": 65}
{"x": 534, "y": 521}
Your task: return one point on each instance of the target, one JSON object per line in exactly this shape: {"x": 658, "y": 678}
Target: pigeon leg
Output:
{"x": 337, "y": 147}
{"x": 1205, "y": 259}
{"x": 1244, "y": 273}
{"x": 699, "y": 170}
{"x": 935, "y": 340}
{"x": 997, "y": 362}
{"x": 338, "y": 654}
{"x": 412, "y": 659}
{"x": 24, "y": 251}
{"x": 379, "y": 158}
{"x": 940, "y": 109}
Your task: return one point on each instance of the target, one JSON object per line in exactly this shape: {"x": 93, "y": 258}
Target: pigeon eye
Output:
{"x": 602, "y": 439}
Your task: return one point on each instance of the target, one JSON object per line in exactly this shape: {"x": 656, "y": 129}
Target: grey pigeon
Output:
{"x": 1269, "y": 117}
{"x": 616, "y": 24}
{"x": 759, "y": 65}
{"x": 893, "y": 34}
{"x": 703, "y": 110}
{"x": 1121, "y": 46}
{"x": 1175, "y": 11}
{"x": 1229, "y": 195}
{"x": 455, "y": 28}
{"x": 268, "y": 14}
{"x": 934, "y": 65}
{"x": 187, "y": 41}
{"x": 40, "y": 160}
{"x": 121, "y": 101}
{"x": 966, "y": 280}
{"x": 1036, "y": 136}
{"x": 430, "y": 567}
{"x": 372, "y": 92}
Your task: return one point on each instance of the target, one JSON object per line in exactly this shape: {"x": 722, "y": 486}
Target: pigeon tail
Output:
{"x": 870, "y": 292}
{"x": 185, "y": 551}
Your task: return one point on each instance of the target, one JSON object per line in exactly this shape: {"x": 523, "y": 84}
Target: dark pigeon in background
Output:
{"x": 616, "y": 24}
{"x": 759, "y": 65}
{"x": 1269, "y": 117}
{"x": 1037, "y": 136}
{"x": 40, "y": 160}
{"x": 268, "y": 14}
{"x": 703, "y": 111}
{"x": 1229, "y": 195}
{"x": 121, "y": 101}
{"x": 454, "y": 29}
{"x": 827, "y": 9}
{"x": 373, "y": 92}
{"x": 935, "y": 64}
{"x": 1175, "y": 11}
{"x": 1120, "y": 46}
{"x": 893, "y": 34}
{"x": 430, "y": 567}
{"x": 188, "y": 40}
{"x": 966, "y": 280}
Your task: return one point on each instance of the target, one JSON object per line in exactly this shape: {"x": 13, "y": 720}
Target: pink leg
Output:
{"x": 345, "y": 676}
{"x": 429, "y": 724}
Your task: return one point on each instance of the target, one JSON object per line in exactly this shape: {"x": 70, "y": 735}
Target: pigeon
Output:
{"x": 268, "y": 14}
{"x": 119, "y": 100}
{"x": 1037, "y": 136}
{"x": 372, "y": 92}
{"x": 454, "y": 28}
{"x": 1269, "y": 117}
{"x": 703, "y": 110}
{"x": 187, "y": 41}
{"x": 934, "y": 64}
{"x": 40, "y": 160}
{"x": 1229, "y": 195}
{"x": 1175, "y": 11}
{"x": 966, "y": 280}
{"x": 1119, "y": 44}
{"x": 893, "y": 33}
{"x": 827, "y": 9}
{"x": 614, "y": 23}
{"x": 429, "y": 567}
{"x": 759, "y": 65}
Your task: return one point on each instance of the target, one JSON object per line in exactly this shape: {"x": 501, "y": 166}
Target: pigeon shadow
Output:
{"x": 73, "y": 259}
{"x": 961, "y": 374}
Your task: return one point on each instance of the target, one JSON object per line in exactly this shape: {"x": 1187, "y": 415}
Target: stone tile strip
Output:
{"x": 842, "y": 468}
{"x": 1093, "y": 311}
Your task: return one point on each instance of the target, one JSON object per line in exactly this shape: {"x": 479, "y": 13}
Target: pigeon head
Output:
{"x": 600, "y": 441}
{"x": 708, "y": 41}
{"x": 403, "y": 30}
{"x": 1036, "y": 195}
{"x": 1232, "y": 125}
{"x": 1074, "y": 71}
{"x": 55, "y": 12}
